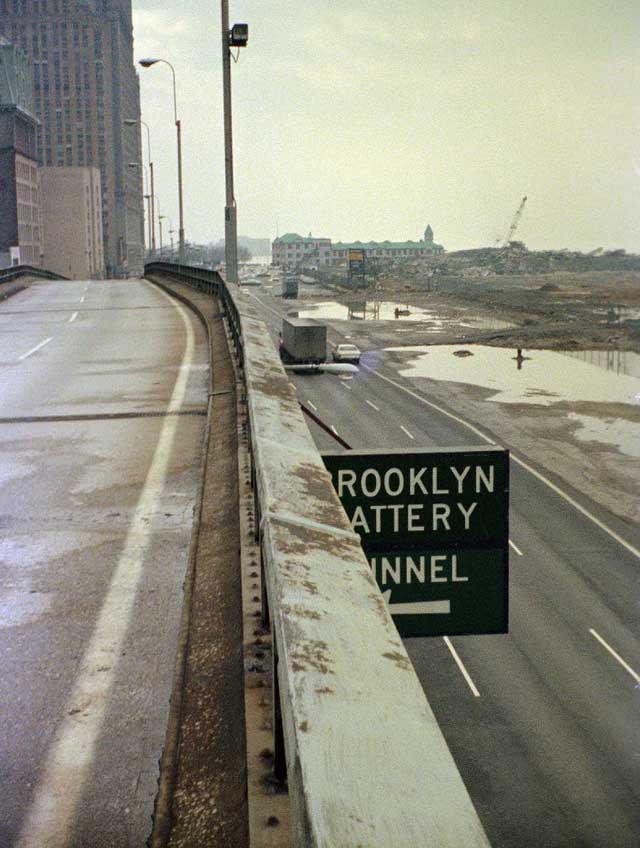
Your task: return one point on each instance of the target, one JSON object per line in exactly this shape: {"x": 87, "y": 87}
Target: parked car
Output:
{"x": 346, "y": 353}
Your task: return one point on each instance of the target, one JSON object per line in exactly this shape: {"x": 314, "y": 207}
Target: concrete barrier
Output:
{"x": 367, "y": 764}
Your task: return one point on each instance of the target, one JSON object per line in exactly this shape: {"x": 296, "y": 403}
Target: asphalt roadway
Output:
{"x": 103, "y": 392}
{"x": 543, "y": 722}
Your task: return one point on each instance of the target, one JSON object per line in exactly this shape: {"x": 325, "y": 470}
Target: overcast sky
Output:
{"x": 368, "y": 119}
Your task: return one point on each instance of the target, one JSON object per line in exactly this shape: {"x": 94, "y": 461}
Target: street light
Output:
{"x": 146, "y": 194}
{"x": 160, "y": 220}
{"x": 130, "y": 122}
{"x": 237, "y": 36}
{"x": 147, "y": 63}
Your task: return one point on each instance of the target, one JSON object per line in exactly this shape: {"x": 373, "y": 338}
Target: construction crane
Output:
{"x": 514, "y": 223}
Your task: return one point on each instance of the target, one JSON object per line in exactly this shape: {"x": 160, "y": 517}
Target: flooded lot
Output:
{"x": 386, "y": 310}
{"x": 545, "y": 378}
{"x": 536, "y": 376}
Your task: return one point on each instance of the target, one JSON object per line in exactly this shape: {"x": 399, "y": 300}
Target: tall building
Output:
{"x": 72, "y": 222}
{"x": 85, "y": 86}
{"x": 20, "y": 227}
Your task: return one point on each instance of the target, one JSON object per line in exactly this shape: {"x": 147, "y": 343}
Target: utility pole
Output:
{"x": 236, "y": 37}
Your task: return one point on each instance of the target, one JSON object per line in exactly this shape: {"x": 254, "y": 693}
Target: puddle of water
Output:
{"x": 538, "y": 377}
{"x": 384, "y": 310}
{"x": 625, "y": 435}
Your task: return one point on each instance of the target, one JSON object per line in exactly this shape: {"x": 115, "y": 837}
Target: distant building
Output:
{"x": 72, "y": 222}
{"x": 389, "y": 252}
{"x": 20, "y": 230}
{"x": 85, "y": 85}
{"x": 294, "y": 251}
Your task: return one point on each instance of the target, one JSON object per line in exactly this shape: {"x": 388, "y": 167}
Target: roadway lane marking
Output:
{"x": 373, "y": 406}
{"x": 34, "y": 349}
{"x": 460, "y": 665}
{"x": 515, "y": 548}
{"x": 82, "y": 299}
{"x": 406, "y": 431}
{"x": 518, "y": 461}
{"x": 346, "y": 385}
{"x": 312, "y": 405}
{"x": 73, "y": 318}
{"x": 615, "y": 655}
{"x": 50, "y": 819}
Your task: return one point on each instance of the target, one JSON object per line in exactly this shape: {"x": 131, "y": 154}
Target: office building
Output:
{"x": 85, "y": 86}
{"x": 20, "y": 230}
{"x": 72, "y": 222}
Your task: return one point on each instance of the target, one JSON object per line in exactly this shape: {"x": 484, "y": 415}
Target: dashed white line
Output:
{"x": 615, "y": 655}
{"x": 460, "y": 665}
{"x": 515, "y": 548}
{"x": 73, "y": 318}
{"x": 312, "y": 405}
{"x": 346, "y": 385}
{"x": 373, "y": 406}
{"x": 34, "y": 349}
{"x": 82, "y": 299}
{"x": 406, "y": 431}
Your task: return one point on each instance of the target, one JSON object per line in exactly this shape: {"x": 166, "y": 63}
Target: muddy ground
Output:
{"x": 591, "y": 311}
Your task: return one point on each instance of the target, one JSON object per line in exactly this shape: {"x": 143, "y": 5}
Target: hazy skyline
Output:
{"x": 368, "y": 120}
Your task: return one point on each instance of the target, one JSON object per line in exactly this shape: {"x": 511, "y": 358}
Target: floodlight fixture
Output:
{"x": 239, "y": 35}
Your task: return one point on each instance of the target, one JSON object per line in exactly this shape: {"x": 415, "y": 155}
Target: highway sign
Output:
{"x": 434, "y": 526}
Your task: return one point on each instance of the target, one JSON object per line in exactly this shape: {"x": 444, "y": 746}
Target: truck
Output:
{"x": 290, "y": 286}
{"x": 303, "y": 341}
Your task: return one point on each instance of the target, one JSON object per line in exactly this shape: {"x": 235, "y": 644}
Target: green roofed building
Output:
{"x": 294, "y": 251}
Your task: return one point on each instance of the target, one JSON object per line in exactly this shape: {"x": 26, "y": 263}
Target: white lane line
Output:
{"x": 460, "y": 665}
{"x": 50, "y": 818}
{"x": 346, "y": 385}
{"x": 429, "y": 403}
{"x": 373, "y": 406}
{"x": 515, "y": 548}
{"x": 312, "y": 405}
{"x": 82, "y": 299}
{"x": 406, "y": 431}
{"x": 518, "y": 461}
{"x": 73, "y": 318}
{"x": 34, "y": 349}
{"x": 615, "y": 655}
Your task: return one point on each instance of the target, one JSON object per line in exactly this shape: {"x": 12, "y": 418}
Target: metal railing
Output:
{"x": 16, "y": 271}
{"x": 366, "y": 762}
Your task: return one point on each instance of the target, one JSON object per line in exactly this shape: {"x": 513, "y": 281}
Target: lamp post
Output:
{"x": 237, "y": 36}
{"x": 160, "y": 220}
{"x": 146, "y": 63}
{"x": 145, "y": 194}
{"x": 130, "y": 122}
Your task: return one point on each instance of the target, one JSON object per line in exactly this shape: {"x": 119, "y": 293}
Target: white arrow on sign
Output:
{"x": 417, "y": 607}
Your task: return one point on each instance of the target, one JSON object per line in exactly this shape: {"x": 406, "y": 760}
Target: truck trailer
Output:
{"x": 303, "y": 341}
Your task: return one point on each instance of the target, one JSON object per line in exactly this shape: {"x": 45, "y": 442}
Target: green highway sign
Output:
{"x": 434, "y": 526}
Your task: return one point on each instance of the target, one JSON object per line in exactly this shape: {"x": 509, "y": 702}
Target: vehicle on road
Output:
{"x": 303, "y": 341}
{"x": 290, "y": 286}
{"x": 346, "y": 353}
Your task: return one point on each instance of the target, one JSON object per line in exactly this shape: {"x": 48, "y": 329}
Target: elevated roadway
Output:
{"x": 103, "y": 393}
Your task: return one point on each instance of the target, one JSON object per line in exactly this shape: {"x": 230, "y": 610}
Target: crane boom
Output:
{"x": 514, "y": 223}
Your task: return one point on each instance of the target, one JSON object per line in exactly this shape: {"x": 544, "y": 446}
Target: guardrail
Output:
{"x": 7, "y": 274}
{"x": 366, "y": 762}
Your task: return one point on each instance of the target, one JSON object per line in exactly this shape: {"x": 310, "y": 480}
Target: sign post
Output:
{"x": 357, "y": 271}
{"x": 434, "y": 525}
